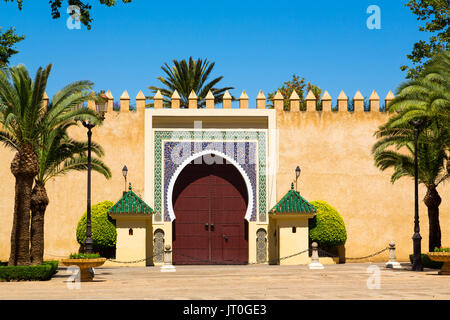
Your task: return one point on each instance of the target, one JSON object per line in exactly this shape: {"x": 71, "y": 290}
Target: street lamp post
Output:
{"x": 88, "y": 243}
{"x": 124, "y": 173}
{"x": 297, "y": 174}
{"x": 417, "y": 261}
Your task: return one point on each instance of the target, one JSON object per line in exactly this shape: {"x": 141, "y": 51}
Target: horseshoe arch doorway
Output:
{"x": 210, "y": 203}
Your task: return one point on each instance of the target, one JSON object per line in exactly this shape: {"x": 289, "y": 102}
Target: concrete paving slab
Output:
{"x": 253, "y": 282}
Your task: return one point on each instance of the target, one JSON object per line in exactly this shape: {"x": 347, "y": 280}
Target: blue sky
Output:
{"x": 255, "y": 44}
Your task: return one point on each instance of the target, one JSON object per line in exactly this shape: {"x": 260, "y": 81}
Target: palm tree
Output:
{"x": 24, "y": 119}
{"x": 21, "y": 108}
{"x": 58, "y": 154}
{"x": 431, "y": 163}
{"x": 426, "y": 98}
{"x": 186, "y": 77}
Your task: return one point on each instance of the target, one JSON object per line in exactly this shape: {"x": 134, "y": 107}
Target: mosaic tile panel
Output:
{"x": 211, "y": 137}
{"x": 243, "y": 153}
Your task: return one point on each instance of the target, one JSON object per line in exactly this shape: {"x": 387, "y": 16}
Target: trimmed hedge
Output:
{"x": 427, "y": 262}
{"x": 104, "y": 233}
{"x": 41, "y": 272}
{"x": 327, "y": 228}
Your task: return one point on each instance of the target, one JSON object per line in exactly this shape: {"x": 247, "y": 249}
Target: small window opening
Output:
{"x": 294, "y": 229}
{"x": 130, "y": 232}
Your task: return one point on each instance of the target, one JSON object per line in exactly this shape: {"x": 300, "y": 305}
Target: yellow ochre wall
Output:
{"x": 332, "y": 148}
{"x": 122, "y": 137}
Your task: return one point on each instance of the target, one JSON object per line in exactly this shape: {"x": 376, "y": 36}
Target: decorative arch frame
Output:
{"x": 162, "y": 169}
{"x": 191, "y": 158}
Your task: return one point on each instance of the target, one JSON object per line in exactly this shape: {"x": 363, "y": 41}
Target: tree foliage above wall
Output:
{"x": 300, "y": 86}
{"x": 436, "y": 16}
{"x": 85, "y": 8}
{"x": 8, "y": 40}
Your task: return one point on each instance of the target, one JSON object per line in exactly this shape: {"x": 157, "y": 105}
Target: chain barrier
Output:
{"x": 277, "y": 260}
{"x": 135, "y": 261}
{"x": 369, "y": 256}
{"x": 240, "y": 262}
{"x": 359, "y": 258}
{"x": 287, "y": 257}
{"x": 195, "y": 258}
{"x": 113, "y": 260}
{"x": 129, "y": 262}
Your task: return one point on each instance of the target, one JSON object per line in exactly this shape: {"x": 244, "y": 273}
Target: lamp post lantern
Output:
{"x": 297, "y": 174}
{"x": 124, "y": 173}
{"x": 417, "y": 261}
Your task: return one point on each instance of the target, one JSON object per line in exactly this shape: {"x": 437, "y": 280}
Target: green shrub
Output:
{"x": 427, "y": 262}
{"x": 54, "y": 265}
{"x": 84, "y": 256}
{"x": 31, "y": 273}
{"x": 104, "y": 233}
{"x": 441, "y": 249}
{"x": 327, "y": 228}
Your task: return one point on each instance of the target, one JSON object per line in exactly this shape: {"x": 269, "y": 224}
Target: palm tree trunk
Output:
{"x": 25, "y": 167}
{"x": 39, "y": 203}
{"x": 20, "y": 235}
{"x": 432, "y": 200}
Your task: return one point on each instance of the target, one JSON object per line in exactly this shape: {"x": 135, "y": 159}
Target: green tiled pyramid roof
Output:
{"x": 131, "y": 203}
{"x": 293, "y": 202}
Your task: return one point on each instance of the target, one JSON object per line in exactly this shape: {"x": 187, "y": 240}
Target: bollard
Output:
{"x": 392, "y": 263}
{"x": 167, "y": 267}
{"x": 315, "y": 264}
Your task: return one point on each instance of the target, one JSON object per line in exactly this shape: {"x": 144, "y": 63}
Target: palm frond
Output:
{"x": 8, "y": 140}
{"x": 426, "y": 98}
{"x": 187, "y": 76}
{"x": 79, "y": 164}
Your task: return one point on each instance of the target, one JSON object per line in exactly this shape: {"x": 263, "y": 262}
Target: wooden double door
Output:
{"x": 210, "y": 202}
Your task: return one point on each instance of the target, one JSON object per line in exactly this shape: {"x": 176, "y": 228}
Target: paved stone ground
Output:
{"x": 348, "y": 281}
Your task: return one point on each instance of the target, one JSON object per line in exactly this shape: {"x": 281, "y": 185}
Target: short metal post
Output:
{"x": 315, "y": 264}
{"x": 392, "y": 263}
{"x": 168, "y": 267}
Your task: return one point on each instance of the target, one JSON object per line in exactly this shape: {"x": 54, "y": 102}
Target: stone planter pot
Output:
{"x": 84, "y": 265}
{"x": 441, "y": 257}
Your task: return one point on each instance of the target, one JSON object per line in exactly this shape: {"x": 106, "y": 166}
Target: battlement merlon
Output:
{"x": 278, "y": 102}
